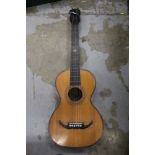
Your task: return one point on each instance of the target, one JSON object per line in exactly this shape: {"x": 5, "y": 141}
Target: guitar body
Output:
{"x": 75, "y": 122}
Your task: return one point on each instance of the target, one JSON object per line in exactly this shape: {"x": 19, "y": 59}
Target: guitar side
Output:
{"x": 81, "y": 111}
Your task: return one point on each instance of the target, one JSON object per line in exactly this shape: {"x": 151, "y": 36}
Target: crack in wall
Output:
{"x": 119, "y": 73}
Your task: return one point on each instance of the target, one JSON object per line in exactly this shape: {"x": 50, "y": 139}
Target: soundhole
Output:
{"x": 75, "y": 94}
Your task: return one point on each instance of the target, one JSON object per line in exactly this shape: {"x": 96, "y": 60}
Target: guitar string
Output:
{"x": 78, "y": 66}
{"x": 78, "y": 57}
{"x": 74, "y": 62}
{"x": 75, "y": 71}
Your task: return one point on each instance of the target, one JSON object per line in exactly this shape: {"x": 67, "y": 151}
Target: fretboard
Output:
{"x": 75, "y": 57}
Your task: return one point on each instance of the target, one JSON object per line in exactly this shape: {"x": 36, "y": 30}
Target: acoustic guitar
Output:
{"x": 75, "y": 122}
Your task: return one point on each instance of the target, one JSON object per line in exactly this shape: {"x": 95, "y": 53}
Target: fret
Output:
{"x": 75, "y": 82}
{"x": 74, "y": 74}
{"x": 74, "y": 71}
{"x": 75, "y": 77}
{"x": 75, "y": 66}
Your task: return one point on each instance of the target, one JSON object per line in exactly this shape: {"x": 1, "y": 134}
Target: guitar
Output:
{"x": 75, "y": 122}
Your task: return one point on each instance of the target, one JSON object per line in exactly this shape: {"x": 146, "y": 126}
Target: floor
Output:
{"x": 104, "y": 52}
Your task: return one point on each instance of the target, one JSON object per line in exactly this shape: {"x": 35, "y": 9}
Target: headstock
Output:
{"x": 74, "y": 16}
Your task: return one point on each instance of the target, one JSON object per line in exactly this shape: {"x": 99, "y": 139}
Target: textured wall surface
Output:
{"x": 104, "y": 51}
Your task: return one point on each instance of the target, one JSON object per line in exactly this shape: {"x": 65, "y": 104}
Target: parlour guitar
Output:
{"x": 75, "y": 122}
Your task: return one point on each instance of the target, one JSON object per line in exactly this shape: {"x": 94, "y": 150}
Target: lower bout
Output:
{"x": 76, "y": 137}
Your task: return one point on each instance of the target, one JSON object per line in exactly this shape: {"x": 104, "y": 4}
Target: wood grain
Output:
{"x": 81, "y": 111}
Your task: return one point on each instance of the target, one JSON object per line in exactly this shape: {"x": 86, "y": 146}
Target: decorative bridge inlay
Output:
{"x": 75, "y": 125}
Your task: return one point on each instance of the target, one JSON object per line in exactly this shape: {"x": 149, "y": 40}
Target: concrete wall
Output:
{"x": 104, "y": 51}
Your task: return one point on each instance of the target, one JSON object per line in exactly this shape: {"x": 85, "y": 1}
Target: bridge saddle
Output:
{"x": 75, "y": 125}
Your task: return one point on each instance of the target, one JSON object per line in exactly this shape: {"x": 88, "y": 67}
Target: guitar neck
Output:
{"x": 75, "y": 56}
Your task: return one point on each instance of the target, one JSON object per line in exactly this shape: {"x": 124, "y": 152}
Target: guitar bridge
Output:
{"x": 75, "y": 125}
